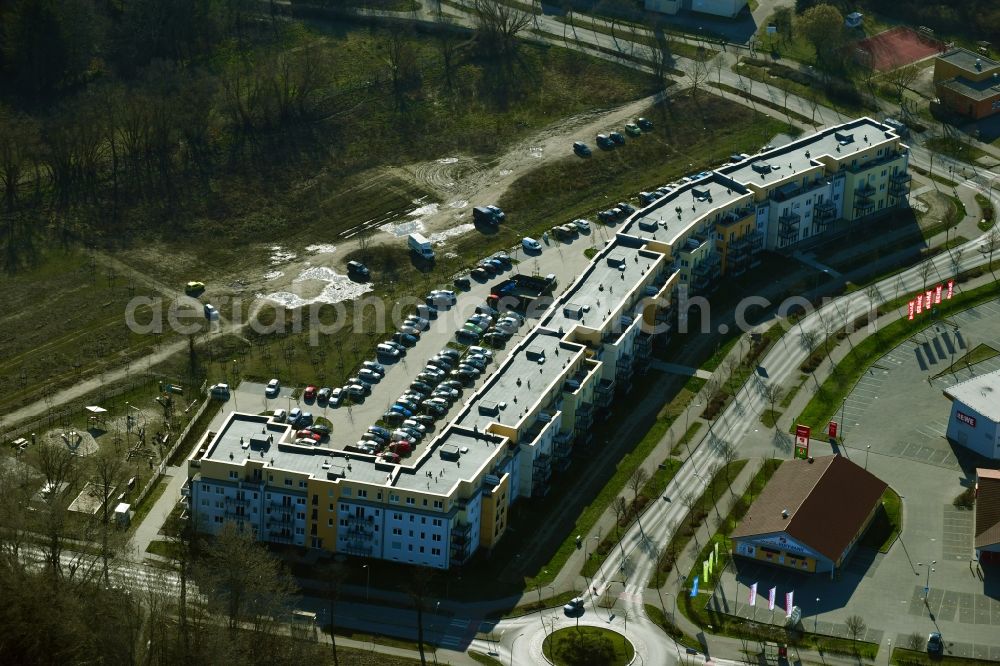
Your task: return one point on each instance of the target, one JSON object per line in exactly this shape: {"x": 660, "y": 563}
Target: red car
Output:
{"x": 315, "y": 436}
{"x": 310, "y": 393}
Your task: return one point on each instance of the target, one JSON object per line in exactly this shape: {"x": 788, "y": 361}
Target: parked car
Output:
{"x": 320, "y": 429}
{"x": 306, "y": 419}
{"x": 481, "y": 350}
{"x": 479, "y": 274}
{"x": 279, "y": 416}
{"x": 444, "y": 295}
{"x": 393, "y": 417}
{"x": 488, "y": 267}
{"x": 336, "y": 396}
{"x": 934, "y": 643}
{"x": 604, "y": 142}
{"x": 582, "y": 225}
{"x": 416, "y": 321}
{"x": 323, "y": 394}
{"x": 421, "y": 387}
{"x": 632, "y": 129}
{"x": 463, "y": 282}
{"x": 387, "y": 350}
{"x": 450, "y": 393}
{"x": 401, "y": 348}
{"x": 369, "y": 376}
{"x": 626, "y": 208}
{"x": 581, "y": 149}
{"x": 355, "y": 390}
{"x": 401, "y": 409}
{"x": 574, "y": 606}
{"x": 309, "y": 393}
{"x": 424, "y": 419}
{"x": 503, "y": 258}
{"x": 360, "y": 382}
{"x": 466, "y": 336}
{"x": 531, "y": 245}
{"x": 427, "y": 378}
{"x": 644, "y": 124}
{"x": 448, "y": 352}
{"x": 272, "y": 389}
{"x": 606, "y": 216}
{"x": 378, "y": 430}
{"x": 452, "y": 384}
{"x": 404, "y": 339}
{"x": 309, "y": 434}
{"x": 414, "y": 434}
{"x": 374, "y": 367}
{"x": 412, "y": 331}
{"x": 648, "y": 197}
{"x": 294, "y": 415}
{"x": 358, "y": 269}
{"x": 618, "y": 138}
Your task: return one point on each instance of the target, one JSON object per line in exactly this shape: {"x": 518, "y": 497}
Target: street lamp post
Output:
{"x": 673, "y": 618}
{"x": 927, "y": 584}
{"x": 868, "y": 448}
{"x": 816, "y": 622}
{"x": 513, "y": 643}
{"x": 368, "y": 579}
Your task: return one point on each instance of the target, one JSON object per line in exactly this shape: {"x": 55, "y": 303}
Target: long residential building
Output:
{"x": 519, "y": 429}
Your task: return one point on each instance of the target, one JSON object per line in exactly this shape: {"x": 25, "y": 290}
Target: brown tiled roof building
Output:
{"x": 810, "y": 515}
{"x": 987, "y": 541}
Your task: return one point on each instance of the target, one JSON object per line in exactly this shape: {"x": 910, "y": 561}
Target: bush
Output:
{"x": 586, "y": 648}
{"x": 966, "y": 499}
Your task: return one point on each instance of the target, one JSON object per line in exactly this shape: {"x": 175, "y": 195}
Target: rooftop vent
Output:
{"x": 761, "y": 168}
{"x": 535, "y": 354}
{"x": 843, "y": 138}
{"x": 336, "y": 472}
{"x": 449, "y": 452}
{"x": 573, "y": 311}
{"x": 487, "y": 408}
{"x": 617, "y": 262}
{"x": 784, "y": 513}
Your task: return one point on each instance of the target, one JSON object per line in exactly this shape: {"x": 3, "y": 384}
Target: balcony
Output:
{"x": 461, "y": 534}
{"x": 899, "y": 184}
{"x": 283, "y": 519}
{"x": 788, "y": 227}
{"x": 643, "y": 348}
{"x": 824, "y": 214}
{"x": 604, "y": 392}
{"x": 237, "y": 501}
{"x": 562, "y": 446}
{"x": 358, "y": 548}
{"x": 584, "y": 415}
{"x": 186, "y": 489}
{"x": 282, "y": 536}
{"x": 460, "y": 554}
{"x": 864, "y": 202}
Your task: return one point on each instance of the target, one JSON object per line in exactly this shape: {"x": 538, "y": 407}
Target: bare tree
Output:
{"x": 915, "y": 641}
{"x": 109, "y": 475}
{"x": 697, "y": 72}
{"x": 60, "y": 470}
{"x": 500, "y": 24}
{"x": 901, "y": 78}
{"x": 855, "y": 626}
{"x": 636, "y": 482}
{"x": 660, "y": 57}
{"x": 926, "y": 268}
{"x": 991, "y": 244}
{"x": 419, "y": 589}
{"x": 620, "y": 507}
{"x": 773, "y": 393}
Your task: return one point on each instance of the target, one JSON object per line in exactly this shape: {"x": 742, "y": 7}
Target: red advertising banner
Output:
{"x": 912, "y": 307}
{"x": 937, "y": 294}
{"x": 920, "y": 304}
{"x": 927, "y": 299}
{"x": 831, "y": 429}
{"x": 951, "y": 289}
{"x": 802, "y": 434}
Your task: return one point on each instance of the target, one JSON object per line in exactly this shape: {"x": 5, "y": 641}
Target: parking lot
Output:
{"x": 564, "y": 259}
{"x": 898, "y": 410}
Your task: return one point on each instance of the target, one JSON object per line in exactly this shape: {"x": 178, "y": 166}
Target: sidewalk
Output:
{"x": 148, "y": 530}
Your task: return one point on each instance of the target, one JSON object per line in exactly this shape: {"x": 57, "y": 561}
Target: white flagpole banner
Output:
{"x": 772, "y": 593}
{"x": 789, "y": 597}
{"x": 753, "y": 594}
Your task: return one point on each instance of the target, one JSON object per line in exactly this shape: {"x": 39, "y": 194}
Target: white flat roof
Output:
{"x": 980, "y": 393}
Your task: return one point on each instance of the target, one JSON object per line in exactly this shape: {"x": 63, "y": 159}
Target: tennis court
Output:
{"x": 899, "y": 46}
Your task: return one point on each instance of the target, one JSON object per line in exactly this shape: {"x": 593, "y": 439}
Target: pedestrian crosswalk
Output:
{"x": 457, "y": 633}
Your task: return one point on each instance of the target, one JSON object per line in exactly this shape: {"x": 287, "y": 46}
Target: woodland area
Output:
{"x": 125, "y": 120}
{"x": 975, "y": 19}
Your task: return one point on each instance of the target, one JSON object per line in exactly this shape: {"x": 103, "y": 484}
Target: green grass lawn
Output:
{"x": 594, "y": 646}
{"x": 954, "y": 147}
{"x": 169, "y": 549}
{"x": 988, "y": 216}
{"x": 675, "y": 147}
{"x": 839, "y": 384}
{"x": 682, "y": 443}
{"x": 657, "y": 617}
{"x": 978, "y": 354}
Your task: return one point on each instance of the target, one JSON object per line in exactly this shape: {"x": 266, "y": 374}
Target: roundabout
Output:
{"x": 590, "y": 645}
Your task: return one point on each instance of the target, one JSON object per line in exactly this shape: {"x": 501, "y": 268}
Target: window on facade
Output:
{"x": 362, "y": 493}
{"x": 435, "y": 551}
{"x": 288, "y": 482}
{"x": 396, "y": 545}
{"x": 397, "y": 516}
{"x": 436, "y": 522}
{"x": 393, "y": 497}
{"x": 344, "y": 507}
{"x": 343, "y": 522}
{"x": 329, "y": 522}
{"x": 423, "y": 520}
{"x": 421, "y": 549}
{"x": 435, "y": 537}
{"x": 410, "y": 500}
{"x": 204, "y": 487}
{"x": 302, "y": 484}
{"x": 438, "y": 504}
{"x": 234, "y": 475}
{"x": 346, "y": 492}
{"x": 397, "y": 531}
{"x": 425, "y": 502}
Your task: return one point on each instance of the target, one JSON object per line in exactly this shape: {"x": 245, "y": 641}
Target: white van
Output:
{"x": 279, "y": 415}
